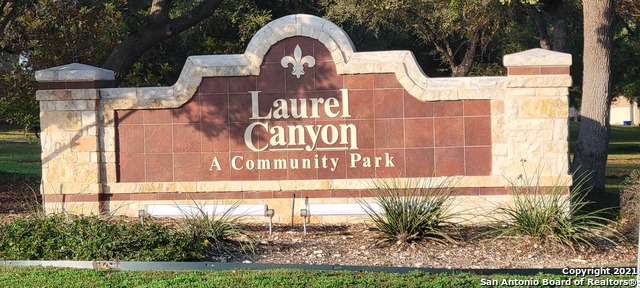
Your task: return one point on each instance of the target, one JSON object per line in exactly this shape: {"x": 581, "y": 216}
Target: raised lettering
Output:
{"x": 255, "y": 107}
{"x": 248, "y": 139}
{"x": 215, "y": 164}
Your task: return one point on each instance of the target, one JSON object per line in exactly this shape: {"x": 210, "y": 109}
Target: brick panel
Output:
{"x": 381, "y": 131}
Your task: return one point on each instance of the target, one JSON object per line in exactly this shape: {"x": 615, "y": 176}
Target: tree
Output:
{"x": 626, "y": 43}
{"x": 159, "y": 25}
{"x": 590, "y": 157}
{"x": 555, "y": 9}
{"x": 456, "y": 30}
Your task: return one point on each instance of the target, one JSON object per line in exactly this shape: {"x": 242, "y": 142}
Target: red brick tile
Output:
{"x": 447, "y": 108}
{"x": 365, "y": 133}
{"x": 391, "y": 163}
{"x": 416, "y": 108}
{"x": 258, "y": 195}
{"x": 240, "y": 107}
{"x": 215, "y": 167}
{"x": 244, "y": 166}
{"x": 226, "y": 195}
{"x": 131, "y": 168}
{"x": 306, "y": 45}
{"x": 272, "y": 78}
{"x": 142, "y": 196}
{"x": 523, "y": 70}
{"x": 306, "y": 82}
{"x": 326, "y": 76}
{"x": 419, "y": 132}
{"x": 350, "y": 193}
{"x": 357, "y": 82}
{"x": 360, "y": 164}
{"x": 389, "y": 133}
{"x": 477, "y": 131}
{"x": 448, "y": 132}
{"x": 449, "y": 161}
{"x": 81, "y": 197}
{"x": 315, "y": 194}
{"x": 331, "y": 172}
{"x": 259, "y": 136}
{"x": 130, "y": 139}
{"x": 466, "y": 192}
{"x": 118, "y": 197}
{"x": 361, "y": 105}
{"x": 275, "y": 53}
{"x": 478, "y": 161}
{"x": 157, "y": 138}
{"x": 188, "y": 113}
{"x": 477, "y": 107}
{"x": 554, "y": 70}
{"x": 215, "y": 137}
{"x": 162, "y": 116}
{"x": 333, "y": 131}
{"x": 330, "y": 107}
{"x": 386, "y": 81}
{"x": 277, "y": 164}
{"x": 186, "y": 137}
{"x": 370, "y": 192}
{"x": 215, "y": 108}
{"x": 53, "y": 197}
{"x": 419, "y": 162}
{"x": 214, "y": 85}
{"x": 493, "y": 191}
{"x": 128, "y": 117}
{"x": 242, "y": 84}
{"x": 201, "y": 196}
{"x": 172, "y": 196}
{"x": 321, "y": 53}
{"x": 159, "y": 167}
{"x": 304, "y": 167}
{"x": 388, "y": 103}
{"x": 285, "y": 194}
{"x": 187, "y": 167}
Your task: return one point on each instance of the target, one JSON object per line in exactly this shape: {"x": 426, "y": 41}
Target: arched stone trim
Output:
{"x": 402, "y": 63}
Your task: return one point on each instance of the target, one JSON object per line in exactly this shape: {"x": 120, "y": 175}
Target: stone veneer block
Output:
{"x": 74, "y": 73}
{"x": 537, "y": 58}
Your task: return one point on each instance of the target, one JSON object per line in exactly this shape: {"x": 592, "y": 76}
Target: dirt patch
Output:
{"x": 355, "y": 245}
{"x": 19, "y": 193}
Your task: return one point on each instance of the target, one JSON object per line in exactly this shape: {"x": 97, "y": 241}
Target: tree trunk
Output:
{"x": 590, "y": 157}
{"x": 160, "y": 27}
{"x": 555, "y": 8}
{"x": 541, "y": 27}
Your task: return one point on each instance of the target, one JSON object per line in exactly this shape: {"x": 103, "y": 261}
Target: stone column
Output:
{"x": 69, "y": 100}
{"x": 537, "y": 111}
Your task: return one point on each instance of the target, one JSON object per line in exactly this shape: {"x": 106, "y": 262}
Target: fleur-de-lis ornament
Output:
{"x": 298, "y": 61}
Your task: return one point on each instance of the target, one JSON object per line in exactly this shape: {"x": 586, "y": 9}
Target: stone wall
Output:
{"x": 119, "y": 149}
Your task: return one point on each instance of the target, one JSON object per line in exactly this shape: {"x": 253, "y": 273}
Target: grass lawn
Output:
{"x": 57, "y": 277}
{"x": 19, "y": 152}
{"x": 624, "y": 150}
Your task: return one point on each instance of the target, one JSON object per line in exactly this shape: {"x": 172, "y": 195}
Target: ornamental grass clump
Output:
{"x": 219, "y": 233}
{"x": 411, "y": 211}
{"x": 551, "y": 214}
{"x": 630, "y": 205}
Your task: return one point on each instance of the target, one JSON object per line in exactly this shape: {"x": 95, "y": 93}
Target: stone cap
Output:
{"x": 74, "y": 72}
{"x": 538, "y": 58}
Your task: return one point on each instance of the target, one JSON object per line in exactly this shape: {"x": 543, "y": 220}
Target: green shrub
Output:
{"x": 67, "y": 237}
{"x": 411, "y": 211}
{"x": 551, "y": 214}
{"x": 630, "y": 204}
